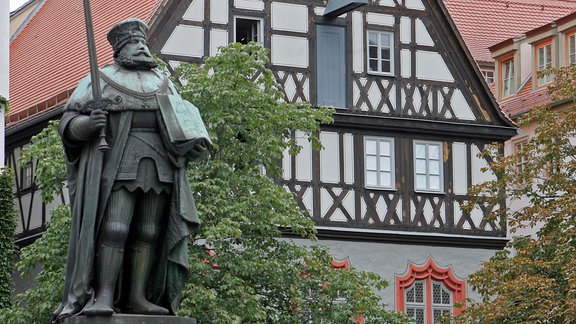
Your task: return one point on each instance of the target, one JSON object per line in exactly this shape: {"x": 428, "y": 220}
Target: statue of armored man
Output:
{"x": 132, "y": 207}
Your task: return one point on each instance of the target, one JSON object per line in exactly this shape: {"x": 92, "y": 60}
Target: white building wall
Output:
{"x": 390, "y": 260}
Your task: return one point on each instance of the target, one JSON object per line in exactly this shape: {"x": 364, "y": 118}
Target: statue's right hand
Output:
{"x": 83, "y": 128}
{"x": 97, "y": 120}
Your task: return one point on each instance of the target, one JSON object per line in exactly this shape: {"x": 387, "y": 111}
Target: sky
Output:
{"x": 15, "y": 4}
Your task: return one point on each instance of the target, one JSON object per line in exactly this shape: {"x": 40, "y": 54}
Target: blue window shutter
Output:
{"x": 331, "y": 65}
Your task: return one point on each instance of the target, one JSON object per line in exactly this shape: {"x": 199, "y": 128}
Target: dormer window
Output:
{"x": 572, "y": 48}
{"x": 544, "y": 61}
{"x": 507, "y": 70}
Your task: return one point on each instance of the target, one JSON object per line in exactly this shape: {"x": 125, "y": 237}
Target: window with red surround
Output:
{"x": 427, "y": 292}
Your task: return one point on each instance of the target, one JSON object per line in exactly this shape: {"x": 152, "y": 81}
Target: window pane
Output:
{"x": 433, "y": 151}
{"x": 419, "y": 316}
{"x": 371, "y": 147}
{"x": 373, "y": 52}
{"x": 436, "y": 293}
{"x": 372, "y": 178}
{"x": 445, "y": 297}
{"x": 385, "y": 179}
{"x": 434, "y": 183}
{"x": 385, "y": 148}
{"x": 373, "y": 65}
{"x": 419, "y": 291}
{"x": 371, "y": 162}
{"x": 372, "y": 38}
{"x": 385, "y": 53}
{"x": 385, "y": 164}
{"x": 421, "y": 181}
{"x": 572, "y": 45}
{"x": 421, "y": 151}
{"x": 386, "y": 66}
{"x": 410, "y": 295}
{"x": 421, "y": 166}
{"x": 540, "y": 58}
{"x": 434, "y": 167}
{"x": 385, "y": 40}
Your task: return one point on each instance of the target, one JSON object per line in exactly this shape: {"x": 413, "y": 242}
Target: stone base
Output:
{"x": 128, "y": 319}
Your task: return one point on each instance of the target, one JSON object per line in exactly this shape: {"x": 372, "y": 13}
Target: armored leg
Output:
{"x": 109, "y": 258}
{"x": 143, "y": 252}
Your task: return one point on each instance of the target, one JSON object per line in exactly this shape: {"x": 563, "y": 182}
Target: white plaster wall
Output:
{"x": 389, "y": 260}
{"x": 289, "y": 51}
{"x": 195, "y": 11}
{"x": 431, "y": 66}
{"x": 329, "y": 158}
{"x": 379, "y": 19}
{"x": 249, "y": 4}
{"x": 218, "y": 37}
{"x": 186, "y": 41}
{"x": 289, "y": 17}
{"x": 304, "y": 158}
{"x": 460, "y": 163}
{"x": 357, "y": 42}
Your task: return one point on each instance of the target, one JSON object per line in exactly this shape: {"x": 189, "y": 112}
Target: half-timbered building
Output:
{"x": 412, "y": 114}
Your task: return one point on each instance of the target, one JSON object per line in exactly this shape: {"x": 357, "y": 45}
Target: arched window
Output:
{"x": 426, "y": 292}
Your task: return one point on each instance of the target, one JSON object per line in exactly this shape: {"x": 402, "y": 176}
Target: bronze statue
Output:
{"x": 132, "y": 208}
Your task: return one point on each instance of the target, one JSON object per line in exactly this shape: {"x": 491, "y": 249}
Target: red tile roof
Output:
{"x": 525, "y": 99}
{"x": 483, "y": 23}
{"x": 50, "y": 55}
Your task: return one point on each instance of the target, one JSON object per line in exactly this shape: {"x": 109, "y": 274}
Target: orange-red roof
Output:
{"x": 50, "y": 55}
{"x": 525, "y": 99}
{"x": 483, "y": 23}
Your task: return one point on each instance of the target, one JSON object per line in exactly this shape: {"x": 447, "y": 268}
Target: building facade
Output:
{"x": 412, "y": 115}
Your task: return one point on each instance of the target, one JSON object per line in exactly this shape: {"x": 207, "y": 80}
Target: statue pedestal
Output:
{"x": 128, "y": 319}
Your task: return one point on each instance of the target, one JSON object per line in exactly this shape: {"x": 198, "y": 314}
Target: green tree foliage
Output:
{"x": 251, "y": 274}
{"x": 7, "y": 228}
{"x": 36, "y": 304}
{"x": 534, "y": 279}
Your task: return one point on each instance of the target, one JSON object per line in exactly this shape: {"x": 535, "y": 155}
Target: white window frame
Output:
{"x": 260, "y": 27}
{"x": 378, "y": 167}
{"x": 488, "y": 76}
{"x": 544, "y": 52}
{"x": 508, "y": 87}
{"x": 428, "y": 161}
{"x": 379, "y": 46}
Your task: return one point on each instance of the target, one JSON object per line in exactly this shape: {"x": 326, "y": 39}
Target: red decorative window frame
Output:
{"x": 429, "y": 272}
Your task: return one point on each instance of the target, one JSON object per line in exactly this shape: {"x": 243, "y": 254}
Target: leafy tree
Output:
{"x": 251, "y": 274}
{"x": 7, "y": 227}
{"x": 534, "y": 279}
{"x": 36, "y": 304}
{"x": 242, "y": 270}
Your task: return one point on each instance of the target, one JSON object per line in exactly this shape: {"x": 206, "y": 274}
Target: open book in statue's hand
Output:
{"x": 183, "y": 121}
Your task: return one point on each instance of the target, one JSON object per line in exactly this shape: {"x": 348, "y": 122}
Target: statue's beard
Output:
{"x": 136, "y": 62}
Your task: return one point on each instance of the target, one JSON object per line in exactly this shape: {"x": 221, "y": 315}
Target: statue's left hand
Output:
{"x": 199, "y": 151}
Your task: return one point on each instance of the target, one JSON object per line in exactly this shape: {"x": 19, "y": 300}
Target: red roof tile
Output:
{"x": 50, "y": 55}
{"x": 483, "y": 23}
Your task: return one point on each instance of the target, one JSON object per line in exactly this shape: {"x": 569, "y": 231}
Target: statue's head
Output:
{"x": 130, "y": 43}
